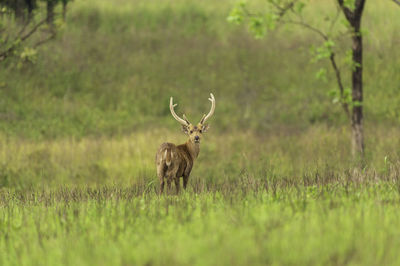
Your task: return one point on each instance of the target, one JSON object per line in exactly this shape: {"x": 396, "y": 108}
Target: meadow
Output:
{"x": 275, "y": 182}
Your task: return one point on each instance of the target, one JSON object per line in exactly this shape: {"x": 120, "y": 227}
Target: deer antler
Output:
{"x": 183, "y": 121}
{"x": 205, "y": 117}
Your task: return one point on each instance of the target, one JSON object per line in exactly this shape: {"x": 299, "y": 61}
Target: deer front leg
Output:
{"x": 161, "y": 185}
{"x": 185, "y": 181}
{"x": 176, "y": 180}
{"x": 169, "y": 180}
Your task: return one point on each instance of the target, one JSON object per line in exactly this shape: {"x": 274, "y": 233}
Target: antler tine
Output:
{"x": 205, "y": 117}
{"x": 180, "y": 120}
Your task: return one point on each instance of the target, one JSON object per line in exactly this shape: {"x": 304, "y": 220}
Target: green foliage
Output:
{"x": 321, "y": 74}
{"x": 28, "y": 55}
{"x": 291, "y": 13}
{"x": 237, "y": 14}
{"x": 257, "y": 27}
{"x": 337, "y": 98}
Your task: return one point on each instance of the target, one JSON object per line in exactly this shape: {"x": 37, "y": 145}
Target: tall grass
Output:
{"x": 319, "y": 152}
{"x": 111, "y": 226}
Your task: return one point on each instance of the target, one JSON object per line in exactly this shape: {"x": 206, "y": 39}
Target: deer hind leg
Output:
{"x": 161, "y": 176}
{"x": 185, "y": 181}
{"x": 176, "y": 180}
{"x": 171, "y": 175}
{"x": 161, "y": 185}
{"x": 169, "y": 180}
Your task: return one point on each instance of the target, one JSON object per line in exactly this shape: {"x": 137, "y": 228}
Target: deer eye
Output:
{"x": 201, "y": 131}
{"x": 191, "y": 131}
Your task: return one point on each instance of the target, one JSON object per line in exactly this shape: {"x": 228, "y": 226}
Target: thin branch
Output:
{"x": 347, "y": 12}
{"x": 4, "y": 54}
{"x": 331, "y": 58}
{"x": 52, "y": 36}
{"x": 340, "y": 84}
{"x": 397, "y": 2}
{"x": 23, "y": 29}
{"x": 308, "y": 26}
{"x": 33, "y": 30}
{"x": 283, "y": 9}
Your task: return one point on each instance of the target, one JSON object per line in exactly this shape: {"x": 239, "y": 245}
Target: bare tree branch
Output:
{"x": 346, "y": 11}
{"x": 33, "y": 30}
{"x": 51, "y": 37}
{"x": 284, "y": 9}
{"x": 340, "y": 84}
{"x": 331, "y": 58}
{"x": 308, "y": 26}
{"x": 397, "y": 2}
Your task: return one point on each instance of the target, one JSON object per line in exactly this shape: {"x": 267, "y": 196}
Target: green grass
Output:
{"x": 128, "y": 160}
{"x": 315, "y": 225}
{"x": 274, "y": 182}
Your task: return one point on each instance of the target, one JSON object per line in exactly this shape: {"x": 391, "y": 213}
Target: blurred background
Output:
{"x": 90, "y": 106}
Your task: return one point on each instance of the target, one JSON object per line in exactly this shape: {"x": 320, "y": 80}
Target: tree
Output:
{"x": 290, "y": 12}
{"x": 51, "y": 5}
{"x": 21, "y": 32}
{"x": 22, "y": 9}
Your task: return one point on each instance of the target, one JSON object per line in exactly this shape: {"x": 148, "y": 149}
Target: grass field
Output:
{"x": 234, "y": 225}
{"x": 274, "y": 183}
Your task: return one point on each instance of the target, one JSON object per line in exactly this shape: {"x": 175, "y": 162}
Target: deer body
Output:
{"x": 176, "y": 161}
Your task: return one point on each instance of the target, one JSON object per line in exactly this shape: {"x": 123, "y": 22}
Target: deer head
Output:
{"x": 194, "y": 132}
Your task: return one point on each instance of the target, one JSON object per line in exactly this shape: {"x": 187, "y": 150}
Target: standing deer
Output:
{"x": 175, "y": 161}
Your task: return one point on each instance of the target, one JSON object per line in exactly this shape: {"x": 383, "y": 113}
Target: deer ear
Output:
{"x": 205, "y": 127}
{"x": 185, "y": 129}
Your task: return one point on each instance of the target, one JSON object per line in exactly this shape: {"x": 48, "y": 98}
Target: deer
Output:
{"x": 176, "y": 161}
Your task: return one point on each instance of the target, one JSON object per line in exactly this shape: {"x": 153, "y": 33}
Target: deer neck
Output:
{"x": 193, "y": 148}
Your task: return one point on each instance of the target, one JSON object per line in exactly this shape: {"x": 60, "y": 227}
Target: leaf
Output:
{"x": 257, "y": 27}
{"x": 236, "y": 15}
{"x": 348, "y": 59}
{"x": 321, "y": 74}
{"x": 28, "y": 55}
{"x": 329, "y": 44}
{"x": 347, "y": 96}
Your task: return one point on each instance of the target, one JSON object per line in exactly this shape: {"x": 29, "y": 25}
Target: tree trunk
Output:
{"x": 357, "y": 95}
{"x": 18, "y": 7}
{"x": 357, "y": 82}
{"x": 31, "y": 4}
{"x": 50, "y": 12}
{"x": 353, "y": 16}
{"x": 64, "y": 9}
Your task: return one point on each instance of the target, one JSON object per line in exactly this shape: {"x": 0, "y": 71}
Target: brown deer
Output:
{"x": 175, "y": 161}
